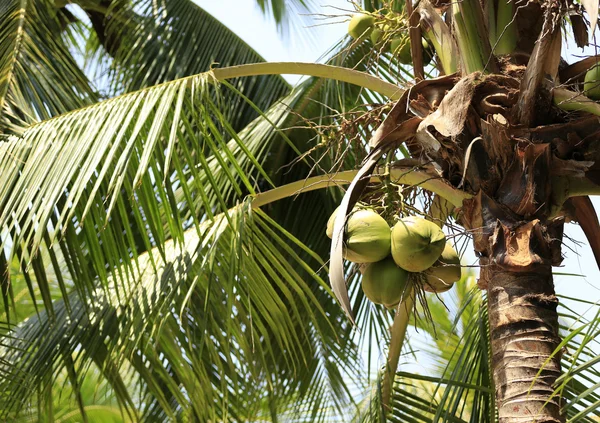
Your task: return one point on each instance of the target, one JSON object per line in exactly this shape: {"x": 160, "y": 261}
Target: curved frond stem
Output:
{"x": 571, "y": 101}
{"x": 400, "y": 175}
{"x": 565, "y": 187}
{"x": 338, "y": 73}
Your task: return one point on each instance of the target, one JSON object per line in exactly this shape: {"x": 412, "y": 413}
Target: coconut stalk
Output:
{"x": 505, "y": 35}
{"x": 472, "y": 37}
{"x": 416, "y": 48}
{"x": 439, "y": 36}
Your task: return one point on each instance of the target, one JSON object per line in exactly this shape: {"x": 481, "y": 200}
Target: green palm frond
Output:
{"x": 166, "y": 40}
{"x": 162, "y": 131}
{"x": 461, "y": 390}
{"x": 38, "y": 76}
{"x": 92, "y": 196}
{"x": 96, "y": 404}
{"x": 132, "y": 45}
{"x": 580, "y": 363}
{"x": 253, "y": 321}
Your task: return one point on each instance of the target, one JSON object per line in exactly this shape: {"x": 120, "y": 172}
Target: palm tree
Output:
{"x": 164, "y": 196}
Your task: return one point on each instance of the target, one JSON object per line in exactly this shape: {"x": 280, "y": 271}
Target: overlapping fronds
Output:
{"x": 224, "y": 308}
{"x": 38, "y": 76}
{"x": 130, "y": 45}
{"x": 92, "y": 198}
{"x": 173, "y": 150}
{"x": 580, "y": 360}
{"x": 166, "y": 40}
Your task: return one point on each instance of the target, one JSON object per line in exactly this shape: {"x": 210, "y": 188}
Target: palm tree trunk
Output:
{"x": 524, "y": 336}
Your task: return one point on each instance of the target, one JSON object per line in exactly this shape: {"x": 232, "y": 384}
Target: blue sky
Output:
{"x": 305, "y": 43}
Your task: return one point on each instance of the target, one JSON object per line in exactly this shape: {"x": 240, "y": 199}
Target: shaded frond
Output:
{"x": 166, "y": 40}
{"x": 219, "y": 309}
{"x": 38, "y": 76}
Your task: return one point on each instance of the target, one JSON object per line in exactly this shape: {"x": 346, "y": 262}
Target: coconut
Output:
{"x": 416, "y": 243}
{"x": 591, "y": 84}
{"x": 331, "y": 221}
{"x": 384, "y": 283}
{"x": 360, "y": 25}
{"x": 380, "y": 33}
{"x": 376, "y": 35}
{"x": 400, "y": 46}
{"x": 442, "y": 275}
{"x": 428, "y": 52}
{"x": 366, "y": 236}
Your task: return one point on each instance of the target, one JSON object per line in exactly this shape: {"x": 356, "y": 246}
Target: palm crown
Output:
{"x": 164, "y": 252}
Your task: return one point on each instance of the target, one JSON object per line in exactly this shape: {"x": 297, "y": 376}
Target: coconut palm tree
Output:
{"x": 165, "y": 192}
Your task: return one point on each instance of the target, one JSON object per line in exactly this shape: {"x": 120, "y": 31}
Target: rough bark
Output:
{"x": 524, "y": 337}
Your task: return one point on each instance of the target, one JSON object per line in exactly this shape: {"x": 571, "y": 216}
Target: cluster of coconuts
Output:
{"x": 363, "y": 25}
{"x": 413, "y": 245}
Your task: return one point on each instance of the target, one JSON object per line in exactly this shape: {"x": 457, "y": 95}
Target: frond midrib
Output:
{"x": 386, "y": 88}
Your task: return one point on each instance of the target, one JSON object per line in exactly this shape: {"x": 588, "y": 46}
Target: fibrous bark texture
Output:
{"x": 524, "y": 339}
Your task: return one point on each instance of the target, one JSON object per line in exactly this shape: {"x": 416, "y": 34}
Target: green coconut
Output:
{"x": 380, "y": 33}
{"x": 427, "y": 52}
{"x": 416, "y": 243}
{"x": 591, "y": 84}
{"x": 442, "y": 275}
{"x": 331, "y": 221}
{"x": 384, "y": 283}
{"x": 360, "y": 25}
{"x": 376, "y": 35}
{"x": 366, "y": 236}
{"x": 400, "y": 47}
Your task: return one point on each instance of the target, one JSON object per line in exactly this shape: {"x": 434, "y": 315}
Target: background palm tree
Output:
{"x": 163, "y": 251}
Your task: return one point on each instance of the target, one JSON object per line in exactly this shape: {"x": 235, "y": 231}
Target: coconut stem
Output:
{"x": 506, "y": 28}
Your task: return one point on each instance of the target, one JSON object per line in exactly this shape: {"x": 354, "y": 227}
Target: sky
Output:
{"x": 308, "y": 44}
{"x": 305, "y": 43}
